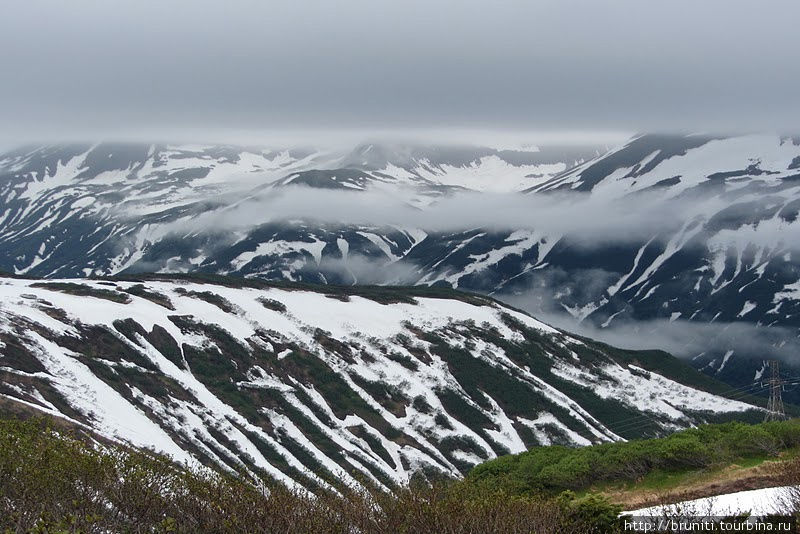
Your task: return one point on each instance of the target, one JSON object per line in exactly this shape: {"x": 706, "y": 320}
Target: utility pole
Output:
{"x": 775, "y": 405}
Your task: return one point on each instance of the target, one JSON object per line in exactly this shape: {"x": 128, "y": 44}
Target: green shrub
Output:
{"x": 557, "y": 468}
{"x": 83, "y": 290}
{"x": 272, "y": 304}
{"x": 593, "y": 511}
{"x": 55, "y": 479}
{"x": 140, "y": 290}
{"x": 680, "y": 451}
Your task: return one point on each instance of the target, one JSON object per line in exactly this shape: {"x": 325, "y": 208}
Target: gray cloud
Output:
{"x": 588, "y": 220}
{"x": 688, "y": 339}
{"x": 114, "y": 69}
{"x": 359, "y": 269}
{"x": 681, "y": 338}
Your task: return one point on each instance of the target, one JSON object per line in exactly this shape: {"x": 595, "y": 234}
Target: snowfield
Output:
{"x": 758, "y": 503}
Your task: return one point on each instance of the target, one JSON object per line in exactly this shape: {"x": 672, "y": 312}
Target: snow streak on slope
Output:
{"x": 318, "y": 387}
{"x": 714, "y": 239}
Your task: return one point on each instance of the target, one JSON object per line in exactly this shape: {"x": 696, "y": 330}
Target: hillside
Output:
{"x": 75, "y": 210}
{"x": 700, "y": 462}
{"x": 315, "y": 386}
{"x": 54, "y": 478}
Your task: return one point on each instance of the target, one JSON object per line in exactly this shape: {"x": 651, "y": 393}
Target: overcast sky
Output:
{"x": 121, "y": 68}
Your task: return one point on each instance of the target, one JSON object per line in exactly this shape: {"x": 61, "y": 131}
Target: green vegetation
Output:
{"x": 82, "y": 290}
{"x": 555, "y": 468}
{"x": 272, "y": 304}
{"x": 55, "y": 479}
{"x": 207, "y": 296}
{"x": 381, "y": 294}
{"x": 344, "y": 400}
{"x": 140, "y": 290}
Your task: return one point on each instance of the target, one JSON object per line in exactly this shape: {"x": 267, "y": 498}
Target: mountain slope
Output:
{"x": 316, "y": 385}
{"x": 73, "y": 211}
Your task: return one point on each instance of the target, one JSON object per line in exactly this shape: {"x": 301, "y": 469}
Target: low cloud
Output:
{"x": 547, "y": 295}
{"x": 358, "y": 269}
{"x": 683, "y": 339}
{"x": 588, "y": 220}
{"x": 689, "y": 339}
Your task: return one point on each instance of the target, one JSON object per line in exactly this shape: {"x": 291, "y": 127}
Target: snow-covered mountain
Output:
{"x": 728, "y": 251}
{"x": 664, "y": 230}
{"x": 712, "y": 244}
{"x": 314, "y": 385}
{"x": 80, "y": 210}
{"x": 729, "y": 255}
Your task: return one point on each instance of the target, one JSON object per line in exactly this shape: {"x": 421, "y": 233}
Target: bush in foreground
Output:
{"x": 61, "y": 481}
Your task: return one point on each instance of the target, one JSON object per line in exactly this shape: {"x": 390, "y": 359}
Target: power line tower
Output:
{"x": 775, "y": 404}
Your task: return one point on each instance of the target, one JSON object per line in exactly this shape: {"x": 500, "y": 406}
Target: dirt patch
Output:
{"x": 728, "y": 480}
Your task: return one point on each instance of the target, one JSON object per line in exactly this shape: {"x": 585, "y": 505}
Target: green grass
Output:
{"x": 665, "y": 481}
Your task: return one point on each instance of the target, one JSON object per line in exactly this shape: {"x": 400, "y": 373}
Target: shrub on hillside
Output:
{"x": 556, "y": 468}
{"x": 679, "y": 451}
{"x": 57, "y": 480}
